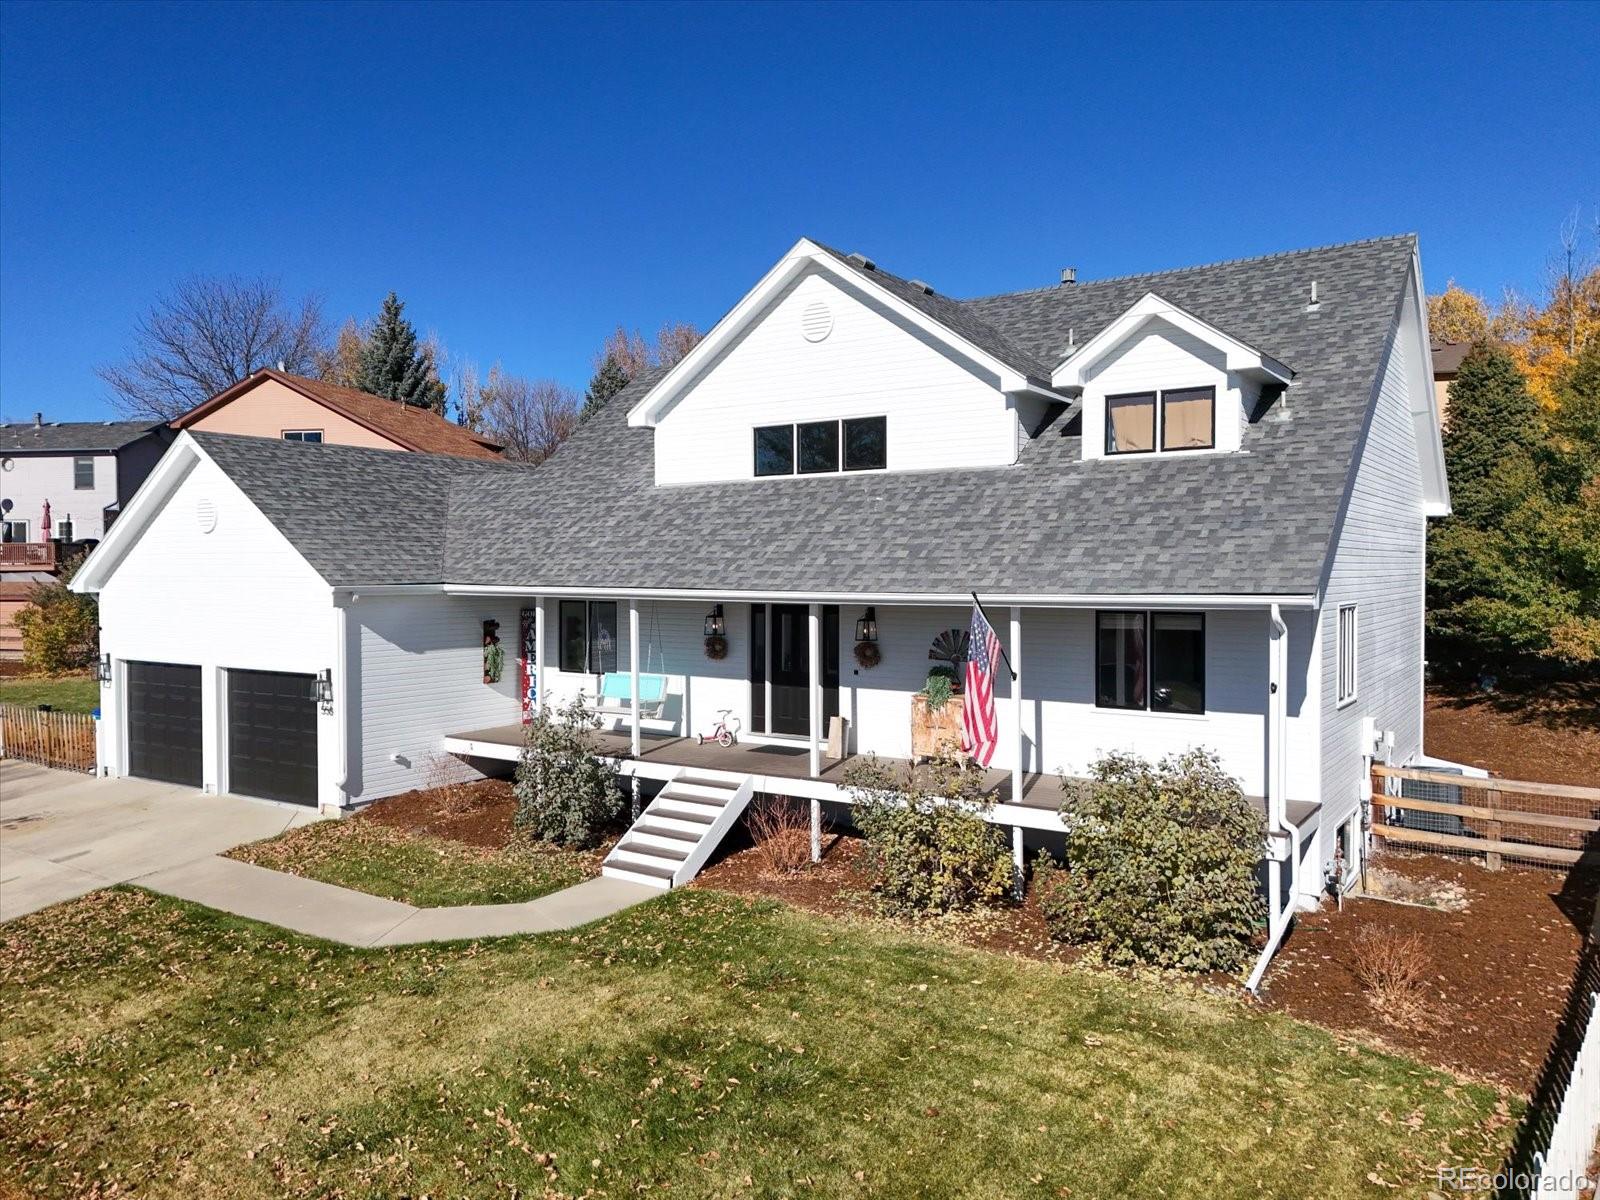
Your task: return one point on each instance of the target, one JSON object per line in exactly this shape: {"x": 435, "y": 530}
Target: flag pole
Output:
{"x": 1003, "y": 654}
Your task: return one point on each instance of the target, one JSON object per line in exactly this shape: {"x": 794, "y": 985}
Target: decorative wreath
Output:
{"x": 716, "y": 648}
{"x": 868, "y": 655}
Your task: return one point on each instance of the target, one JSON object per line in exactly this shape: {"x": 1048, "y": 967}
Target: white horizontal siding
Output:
{"x": 419, "y": 676}
{"x": 32, "y": 479}
{"x": 1377, "y": 564}
{"x": 940, "y": 414}
{"x": 239, "y": 597}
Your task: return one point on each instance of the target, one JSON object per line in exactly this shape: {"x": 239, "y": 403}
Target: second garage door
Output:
{"x": 272, "y": 736}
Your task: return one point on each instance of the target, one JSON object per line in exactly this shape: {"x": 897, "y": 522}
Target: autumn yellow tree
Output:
{"x": 1457, "y": 315}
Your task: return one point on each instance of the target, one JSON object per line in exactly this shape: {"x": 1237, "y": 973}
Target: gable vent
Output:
{"x": 205, "y": 512}
{"x": 816, "y": 321}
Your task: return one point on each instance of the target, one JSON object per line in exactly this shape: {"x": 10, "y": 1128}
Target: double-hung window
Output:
{"x": 1348, "y": 652}
{"x": 822, "y": 447}
{"x": 588, "y": 636}
{"x": 1176, "y": 419}
{"x": 1152, "y": 661}
{"x": 83, "y": 473}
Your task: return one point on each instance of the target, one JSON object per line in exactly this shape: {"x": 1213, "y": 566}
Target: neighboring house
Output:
{"x": 1192, "y": 502}
{"x": 275, "y": 404}
{"x": 83, "y": 472}
{"x": 1447, "y": 358}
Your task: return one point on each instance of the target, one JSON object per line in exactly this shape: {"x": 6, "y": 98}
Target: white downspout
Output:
{"x": 1279, "y": 831}
{"x": 342, "y": 699}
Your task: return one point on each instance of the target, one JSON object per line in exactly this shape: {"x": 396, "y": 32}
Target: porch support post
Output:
{"x": 633, "y": 668}
{"x": 816, "y": 831}
{"x": 1016, "y": 861}
{"x": 814, "y": 685}
{"x": 1016, "y": 704}
{"x": 540, "y": 626}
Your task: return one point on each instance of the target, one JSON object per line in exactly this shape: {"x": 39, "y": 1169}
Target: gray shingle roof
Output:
{"x": 1257, "y": 522}
{"x": 72, "y": 437}
{"x": 359, "y": 516}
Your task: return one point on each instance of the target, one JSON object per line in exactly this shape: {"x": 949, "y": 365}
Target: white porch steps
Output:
{"x": 676, "y": 833}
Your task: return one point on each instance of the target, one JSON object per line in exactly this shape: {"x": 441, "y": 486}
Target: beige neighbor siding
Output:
{"x": 269, "y": 408}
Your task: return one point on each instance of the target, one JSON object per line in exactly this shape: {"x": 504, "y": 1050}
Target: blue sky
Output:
{"x": 527, "y": 177}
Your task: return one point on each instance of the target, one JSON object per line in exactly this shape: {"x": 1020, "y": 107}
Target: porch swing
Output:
{"x": 616, "y": 687}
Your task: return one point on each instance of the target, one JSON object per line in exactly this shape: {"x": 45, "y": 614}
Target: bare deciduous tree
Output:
{"x": 340, "y": 363}
{"x": 674, "y": 341}
{"x": 206, "y": 335}
{"x": 529, "y": 417}
{"x": 629, "y": 350}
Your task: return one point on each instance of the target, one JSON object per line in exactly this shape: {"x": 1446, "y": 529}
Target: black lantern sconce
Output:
{"x": 324, "y": 689}
{"x": 103, "y": 671}
{"x": 715, "y": 625}
{"x": 867, "y": 626}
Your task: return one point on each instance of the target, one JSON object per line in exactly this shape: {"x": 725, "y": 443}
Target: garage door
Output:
{"x": 272, "y": 736}
{"x": 164, "y": 722}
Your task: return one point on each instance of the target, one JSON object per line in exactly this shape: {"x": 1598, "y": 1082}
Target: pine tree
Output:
{"x": 1494, "y": 422}
{"x": 395, "y": 366}
{"x": 607, "y": 382}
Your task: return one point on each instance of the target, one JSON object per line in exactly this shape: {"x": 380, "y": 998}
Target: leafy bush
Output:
{"x": 929, "y": 849}
{"x": 1161, "y": 864}
{"x": 566, "y": 793}
{"x": 60, "y": 629}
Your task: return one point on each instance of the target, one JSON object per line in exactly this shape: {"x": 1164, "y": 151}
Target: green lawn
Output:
{"x": 712, "y": 1045}
{"x": 426, "y": 871}
{"x": 74, "y": 693}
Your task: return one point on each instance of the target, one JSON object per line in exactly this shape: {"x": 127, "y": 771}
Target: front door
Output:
{"x": 791, "y": 669}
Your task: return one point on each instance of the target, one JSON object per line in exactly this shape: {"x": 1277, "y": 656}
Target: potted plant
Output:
{"x": 936, "y": 714}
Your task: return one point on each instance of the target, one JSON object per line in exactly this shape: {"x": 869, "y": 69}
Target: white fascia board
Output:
{"x": 909, "y": 599}
{"x": 806, "y": 255}
{"x": 172, "y": 469}
{"x": 1425, "y": 418}
{"x": 1239, "y": 356}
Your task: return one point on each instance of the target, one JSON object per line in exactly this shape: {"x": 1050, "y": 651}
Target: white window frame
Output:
{"x": 12, "y": 527}
{"x": 1347, "y": 656}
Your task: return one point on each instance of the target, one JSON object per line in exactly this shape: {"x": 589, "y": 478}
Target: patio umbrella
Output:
{"x": 45, "y": 524}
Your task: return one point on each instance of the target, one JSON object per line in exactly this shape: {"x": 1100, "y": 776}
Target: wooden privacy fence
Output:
{"x": 52, "y": 739}
{"x": 1546, "y": 824}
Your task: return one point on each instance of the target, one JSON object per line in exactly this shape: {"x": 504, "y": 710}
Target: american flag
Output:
{"x": 980, "y": 729}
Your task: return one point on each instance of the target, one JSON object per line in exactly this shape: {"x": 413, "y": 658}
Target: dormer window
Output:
{"x": 814, "y": 447}
{"x": 1176, "y": 419}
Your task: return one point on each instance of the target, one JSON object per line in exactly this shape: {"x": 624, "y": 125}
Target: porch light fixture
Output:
{"x": 715, "y": 625}
{"x": 867, "y": 626}
{"x": 103, "y": 671}
{"x": 324, "y": 688}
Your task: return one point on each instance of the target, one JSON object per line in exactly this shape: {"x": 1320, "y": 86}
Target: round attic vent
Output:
{"x": 205, "y": 512}
{"x": 816, "y": 322}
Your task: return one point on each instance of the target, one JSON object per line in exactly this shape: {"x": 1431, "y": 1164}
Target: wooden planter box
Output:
{"x": 935, "y": 733}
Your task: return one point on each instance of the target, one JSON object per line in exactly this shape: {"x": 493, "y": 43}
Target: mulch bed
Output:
{"x": 1503, "y": 966}
{"x": 1544, "y": 734}
{"x": 477, "y": 813}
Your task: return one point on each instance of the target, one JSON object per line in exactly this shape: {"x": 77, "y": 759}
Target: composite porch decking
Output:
{"x": 660, "y": 754}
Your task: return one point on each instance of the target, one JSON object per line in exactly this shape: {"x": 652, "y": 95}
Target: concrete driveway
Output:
{"x": 63, "y": 834}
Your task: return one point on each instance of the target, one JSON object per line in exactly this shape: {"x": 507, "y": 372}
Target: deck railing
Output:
{"x": 1543, "y": 824}
{"x": 27, "y": 556}
{"x": 51, "y": 739}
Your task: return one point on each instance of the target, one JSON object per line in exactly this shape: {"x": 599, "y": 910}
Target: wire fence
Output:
{"x": 1500, "y": 820}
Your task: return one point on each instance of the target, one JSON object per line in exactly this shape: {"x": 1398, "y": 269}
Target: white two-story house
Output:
{"x": 1192, "y": 504}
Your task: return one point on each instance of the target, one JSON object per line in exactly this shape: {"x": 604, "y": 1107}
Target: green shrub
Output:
{"x": 566, "y": 793}
{"x": 60, "y": 629}
{"x": 1161, "y": 864}
{"x": 928, "y": 848}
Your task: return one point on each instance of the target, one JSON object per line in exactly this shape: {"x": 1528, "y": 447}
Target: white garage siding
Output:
{"x": 238, "y": 597}
{"x": 417, "y": 675}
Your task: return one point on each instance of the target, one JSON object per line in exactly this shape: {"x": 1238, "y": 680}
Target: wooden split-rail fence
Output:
{"x": 1545, "y": 824}
{"x": 52, "y": 739}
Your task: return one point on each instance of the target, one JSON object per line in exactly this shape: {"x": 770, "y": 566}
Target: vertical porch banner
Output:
{"x": 528, "y": 661}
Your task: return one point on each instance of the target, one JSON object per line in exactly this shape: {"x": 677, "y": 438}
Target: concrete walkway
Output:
{"x": 64, "y": 834}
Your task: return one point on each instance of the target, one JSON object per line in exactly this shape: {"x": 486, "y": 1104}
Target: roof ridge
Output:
{"x": 1224, "y": 262}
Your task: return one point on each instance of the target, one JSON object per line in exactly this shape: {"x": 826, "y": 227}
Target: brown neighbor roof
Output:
{"x": 1447, "y": 358}
{"x": 417, "y": 429}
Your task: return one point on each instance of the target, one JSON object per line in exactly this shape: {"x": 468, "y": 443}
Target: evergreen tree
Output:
{"x": 610, "y": 379}
{"x": 1494, "y": 423}
{"x": 395, "y": 366}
